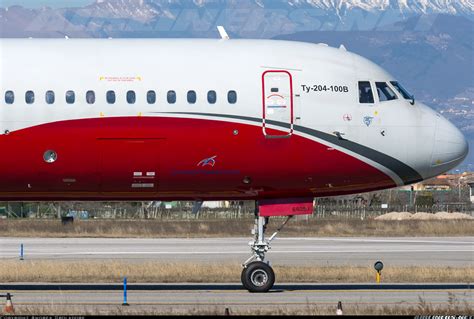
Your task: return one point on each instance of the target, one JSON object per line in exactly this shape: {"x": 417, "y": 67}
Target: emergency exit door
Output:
{"x": 277, "y": 104}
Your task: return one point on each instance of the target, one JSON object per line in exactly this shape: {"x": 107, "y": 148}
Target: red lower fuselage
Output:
{"x": 141, "y": 158}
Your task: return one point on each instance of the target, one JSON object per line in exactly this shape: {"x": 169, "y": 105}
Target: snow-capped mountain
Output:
{"x": 407, "y": 6}
{"x": 147, "y": 9}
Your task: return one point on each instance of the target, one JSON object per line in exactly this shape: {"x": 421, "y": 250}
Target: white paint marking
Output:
{"x": 239, "y": 252}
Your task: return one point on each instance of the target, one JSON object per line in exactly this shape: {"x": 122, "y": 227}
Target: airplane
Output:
{"x": 277, "y": 122}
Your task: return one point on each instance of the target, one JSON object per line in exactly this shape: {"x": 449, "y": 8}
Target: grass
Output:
{"x": 420, "y": 308}
{"x": 233, "y": 228}
{"x": 156, "y": 272}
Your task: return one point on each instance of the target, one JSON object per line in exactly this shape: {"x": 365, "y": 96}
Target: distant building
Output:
{"x": 444, "y": 182}
{"x": 471, "y": 191}
{"x": 435, "y": 184}
{"x": 470, "y": 182}
{"x": 216, "y": 204}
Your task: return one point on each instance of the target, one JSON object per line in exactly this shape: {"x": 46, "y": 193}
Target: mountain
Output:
{"x": 427, "y": 44}
{"x": 243, "y": 18}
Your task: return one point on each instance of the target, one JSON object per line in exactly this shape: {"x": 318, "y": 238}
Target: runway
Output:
{"x": 230, "y": 295}
{"x": 450, "y": 251}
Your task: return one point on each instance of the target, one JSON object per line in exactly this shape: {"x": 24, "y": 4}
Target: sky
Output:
{"x": 49, "y": 3}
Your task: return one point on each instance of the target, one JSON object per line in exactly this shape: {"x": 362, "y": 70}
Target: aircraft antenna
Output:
{"x": 223, "y": 33}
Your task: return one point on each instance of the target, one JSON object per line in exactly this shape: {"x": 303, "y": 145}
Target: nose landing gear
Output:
{"x": 258, "y": 275}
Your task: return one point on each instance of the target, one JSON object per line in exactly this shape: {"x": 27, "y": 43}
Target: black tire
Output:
{"x": 258, "y": 277}
{"x": 242, "y": 278}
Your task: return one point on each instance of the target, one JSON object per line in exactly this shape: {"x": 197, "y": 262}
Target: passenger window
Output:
{"x": 30, "y": 97}
{"x": 212, "y": 97}
{"x": 406, "y": 95}
{"x": 151, "y": 97}
{"x": 171, "y": 97}
{"x": 366, "y": 95}
{"x": 70, "y": 97}
{"x": 50, "y": 97}
{"x": 9, "y": 97}
{"x": 131, "y": 97}
{"x": 232, "y": 97}
{"x": 110, "y": 97}
{"x": 192, "y": 97}
{"x": 385, "y": 92}
{"x": 90, "y": 97}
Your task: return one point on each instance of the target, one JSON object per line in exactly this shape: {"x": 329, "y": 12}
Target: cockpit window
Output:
{"x": 366, "y": 95}
{"x": 385, "y": 92}
{"x": 401, "y": 89}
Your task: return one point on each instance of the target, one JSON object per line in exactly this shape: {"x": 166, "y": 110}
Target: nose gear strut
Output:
{"x": 258, "y": 275}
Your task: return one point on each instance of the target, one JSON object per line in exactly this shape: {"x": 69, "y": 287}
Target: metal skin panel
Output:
{"x": 285, "y": 207}
{"x": 338, "y": 146}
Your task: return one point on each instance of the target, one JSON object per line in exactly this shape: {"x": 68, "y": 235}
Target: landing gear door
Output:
{"x": 277, "y": 104}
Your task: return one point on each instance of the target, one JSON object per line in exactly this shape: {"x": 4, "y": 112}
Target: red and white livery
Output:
{"x": 275, "y": 121}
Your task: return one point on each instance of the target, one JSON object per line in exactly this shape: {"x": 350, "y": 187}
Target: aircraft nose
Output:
{"x": 450, "y": 147}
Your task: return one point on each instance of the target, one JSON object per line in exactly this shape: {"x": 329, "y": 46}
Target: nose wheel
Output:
{"x": 258, "y": 275}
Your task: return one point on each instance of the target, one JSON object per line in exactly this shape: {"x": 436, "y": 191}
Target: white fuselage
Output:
{"x": 404, "y": 141}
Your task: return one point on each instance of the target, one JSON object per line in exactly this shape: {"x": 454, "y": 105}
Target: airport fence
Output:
{"x": 148, "y": 210}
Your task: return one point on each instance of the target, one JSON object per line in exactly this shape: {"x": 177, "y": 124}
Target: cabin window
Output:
{"x": 406, "y": 95}
{"x": 232, "y": 97}
{"x": 30, "y": 97}
{"x": 131, "y": 97}
{"x": 366, "y": 95}
{"x": 70, "y": 97}
{"x": 171, "y": 97}
{"x": 212, "y": 97}
{"x": 110, "y": 95}
{"x": 9, "y": 97}
{"x": 50, "y": 97}
{"x": 192, "y": 97}
{"x": 151, "y": 97}
{"x": 90, "y": 97}
{"x": 385, "y": 92}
